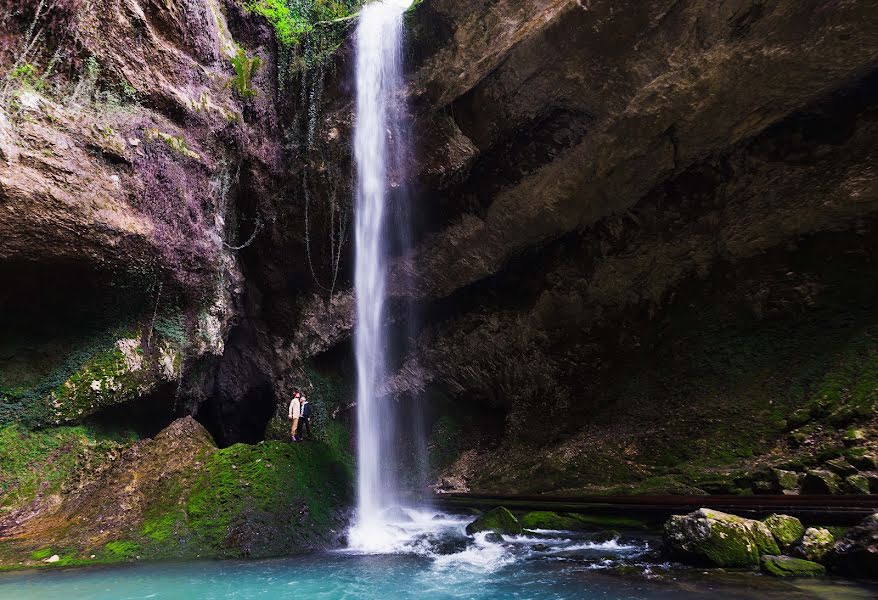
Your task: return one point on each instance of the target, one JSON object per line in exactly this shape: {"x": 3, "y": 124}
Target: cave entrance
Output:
{"x": 146, "y": 415}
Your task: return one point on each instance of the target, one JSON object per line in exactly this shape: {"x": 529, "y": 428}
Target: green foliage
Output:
{"x": 244, "y": 68}
{"x": 294, "y": 19}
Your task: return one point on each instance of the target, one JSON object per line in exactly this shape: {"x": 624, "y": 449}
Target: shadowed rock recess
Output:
{"x": 646, "y": 260}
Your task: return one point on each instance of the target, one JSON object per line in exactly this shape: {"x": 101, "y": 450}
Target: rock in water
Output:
{"x": 785, "y": 566}
{"x": 716, "y": 539}
{"x": 856, "y": 554}
{"x": 499, "y": 520}
{"x": 815, "y": 543}
{"x": 785, "y": 529}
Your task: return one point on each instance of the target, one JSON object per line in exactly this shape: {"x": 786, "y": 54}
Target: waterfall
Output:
{"x": 378, "y": 80}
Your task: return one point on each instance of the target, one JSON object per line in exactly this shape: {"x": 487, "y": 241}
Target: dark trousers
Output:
{"x": 304, "y": 429}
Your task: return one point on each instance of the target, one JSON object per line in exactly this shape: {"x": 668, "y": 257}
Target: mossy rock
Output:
{"x": 785, "y": 480}
{"x": 856, "y": 484}
{"x": 546, "y": 519}
{"x": 786, "y": 566}
{"x": 853, "y": 436}
{"x": 499, "y": 520}
{"x": 814, "y": 545}
{"x": 819, "y": 481}
{"x": 840, "y": 466}
{"x": 862, "y": 460}
{"x": 715, "y": 539}
{"x": 785, "y": 529}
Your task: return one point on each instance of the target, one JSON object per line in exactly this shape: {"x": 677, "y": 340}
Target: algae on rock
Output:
{"x": 716, "y": 539}
{"x": 497, "y": 520}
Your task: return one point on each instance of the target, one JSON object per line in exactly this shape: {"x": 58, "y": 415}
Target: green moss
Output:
{"x": 577, "y": 521}
{"x": 785, "y": 566}
{"x": 41, "y": 462}
{"x": 41, "y": 554}
{"x": 785, "y": 529}
{"x": 545, "y": 519}
{"x": 122, "y": 550}
{"x": 498, "y": 520}
{"x": 298, "y": 488}
{"x": 712, "y": 538}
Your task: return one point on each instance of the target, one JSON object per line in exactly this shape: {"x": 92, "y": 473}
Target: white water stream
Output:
{"x": 378, "y": 82}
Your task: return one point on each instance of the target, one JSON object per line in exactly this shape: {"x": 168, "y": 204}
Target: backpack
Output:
{"x": 306, "y": 410}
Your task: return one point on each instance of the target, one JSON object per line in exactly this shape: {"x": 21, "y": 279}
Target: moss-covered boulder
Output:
{"x": 499, "y": 520}
{"x": 840, "y": 467}
{"x": 785, "y": 529}
{"x": 820, "y": 481}
{"x": 862, "y": 459}
{"x": 786, "y": 566}
{"x": 179, "y": 497}
{"x": 546, "y": 519}
{"x": 785, "y": 481}
{"x": 715, "y": 539}
{"x": 815, "y": 543}
{"x": 856, "y": 484}
{"x": 856, "y": 553}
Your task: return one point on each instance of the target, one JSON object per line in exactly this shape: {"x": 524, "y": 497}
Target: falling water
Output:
{"x": 379, "y": 37}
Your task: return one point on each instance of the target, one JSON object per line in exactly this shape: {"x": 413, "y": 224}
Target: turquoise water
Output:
{"x": 429, "y": 556}
{"x": 336, "y": 576}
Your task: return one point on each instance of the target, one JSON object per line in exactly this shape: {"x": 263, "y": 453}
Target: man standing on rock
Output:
{"x": 304, "y": 432}
{"x": 294, "y": 414}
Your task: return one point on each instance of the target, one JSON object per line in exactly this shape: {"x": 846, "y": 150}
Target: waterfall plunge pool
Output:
{"x": 432, "y": 559}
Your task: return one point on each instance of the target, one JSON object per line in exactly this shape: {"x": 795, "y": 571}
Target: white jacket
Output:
{"x": 295, "y": 408}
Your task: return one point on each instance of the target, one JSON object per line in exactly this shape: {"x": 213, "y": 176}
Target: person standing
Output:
{"x": 304, "y": 431}
{"x": 295, "y": 414}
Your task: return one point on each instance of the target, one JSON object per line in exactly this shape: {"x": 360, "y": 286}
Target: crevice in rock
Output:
{"x": 147, "y": 415}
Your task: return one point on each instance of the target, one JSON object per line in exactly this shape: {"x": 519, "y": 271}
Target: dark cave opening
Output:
{"x": 54, "y": 314}
{"x": 147, "y": 415}
{"x": 239, "y": 396}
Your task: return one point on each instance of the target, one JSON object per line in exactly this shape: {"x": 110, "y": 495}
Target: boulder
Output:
{"x": 785, "y": 481}
{"x": 786, "y": 566}
{"x": 819, "y": 481}
{"x": 546, "y": 519}
{"x": 716, "y": 539}
{"x": 539, "y": 547}
{"x": 856, "y": 484}
{"x": 856, "y": 553}
{"x": 840, "y": 466}
{"x": 853, "y": 436}
{"x": 862, "y": 460}
{"x": 815, "y": 543}
{"x": 499, "y": 520}
{"x": 785, "y": 529}
{"x": 602, "y": 537}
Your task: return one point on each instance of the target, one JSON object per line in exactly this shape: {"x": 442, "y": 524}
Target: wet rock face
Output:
{"x": 597, "y": 170}
{"x": 128, "y": 163}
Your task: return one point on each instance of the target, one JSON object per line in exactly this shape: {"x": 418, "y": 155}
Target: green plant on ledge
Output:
{"x": 294, "y": 19}
{"x": 244, "y": 69}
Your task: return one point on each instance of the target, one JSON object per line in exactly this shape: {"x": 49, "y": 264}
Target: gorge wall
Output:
{"x": 646, "y": 257}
